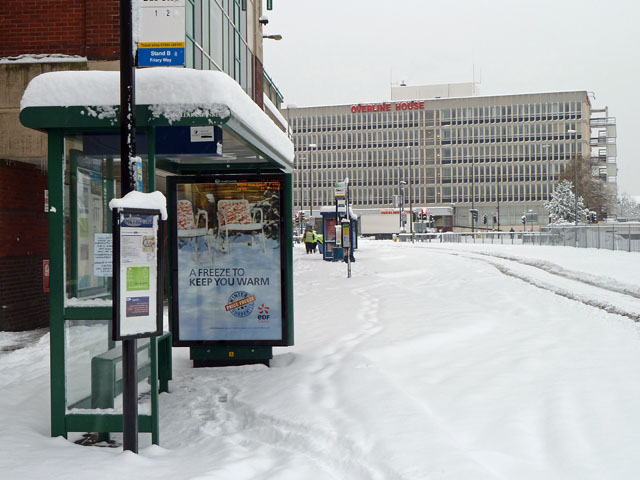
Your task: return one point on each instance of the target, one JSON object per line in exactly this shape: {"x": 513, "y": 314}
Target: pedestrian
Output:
{"x": 309, "y": 240}
{"x": 512, "y": 233}
{"x": 315, "y": 241}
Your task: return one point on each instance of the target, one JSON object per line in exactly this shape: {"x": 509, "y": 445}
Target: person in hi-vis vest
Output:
{"x": 309, "y": 239}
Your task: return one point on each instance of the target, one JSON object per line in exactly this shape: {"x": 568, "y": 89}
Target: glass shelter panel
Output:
{"x": 84, "y": 340}
{"x": 93, "y": 367}
{"x": 93, "y": 362}
{"x": 92, "y": 171}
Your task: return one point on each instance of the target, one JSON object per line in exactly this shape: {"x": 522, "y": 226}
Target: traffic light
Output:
{"x": 474, "y": 214}
{"x": 495, "y": 219}
{"x": 524, "y": 219}
{"x": 484, "y": 219}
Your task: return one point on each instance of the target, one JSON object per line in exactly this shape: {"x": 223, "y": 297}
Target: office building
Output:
{"x": 501, "y": 155}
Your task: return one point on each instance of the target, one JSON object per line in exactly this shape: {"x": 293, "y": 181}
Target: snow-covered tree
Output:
{"x": 628, "y": 207}
{"x": 562, "y": 205}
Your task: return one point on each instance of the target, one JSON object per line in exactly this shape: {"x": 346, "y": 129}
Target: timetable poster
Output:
{"x": 138, "y": 274}
{"x": 229, "y": 258}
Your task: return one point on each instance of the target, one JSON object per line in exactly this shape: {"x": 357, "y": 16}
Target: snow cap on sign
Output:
{"x": 152, "y": 201}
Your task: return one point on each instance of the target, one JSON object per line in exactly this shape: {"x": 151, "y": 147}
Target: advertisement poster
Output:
{"x": 138, "y": 273}
{"x": 229, "y": 259}
{"x": 330, "y": 235}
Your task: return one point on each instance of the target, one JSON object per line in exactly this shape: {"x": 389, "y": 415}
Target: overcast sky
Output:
{"x": 350, "y": 51}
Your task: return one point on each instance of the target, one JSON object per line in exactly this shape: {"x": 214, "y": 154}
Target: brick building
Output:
{"x": 38, "y": 36}
{"x": 48, "y": 35}
{"x": 87, "y": 28}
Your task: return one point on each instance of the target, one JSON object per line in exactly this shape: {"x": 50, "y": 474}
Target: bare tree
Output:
{"x": 591, "y": 187}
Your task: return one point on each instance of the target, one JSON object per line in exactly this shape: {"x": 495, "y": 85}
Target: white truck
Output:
{"x": 383, "y": 223}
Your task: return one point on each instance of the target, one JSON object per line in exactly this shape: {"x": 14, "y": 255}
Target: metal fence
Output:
{"x": 464, "y": 237}
{"x": 610, "y": 236}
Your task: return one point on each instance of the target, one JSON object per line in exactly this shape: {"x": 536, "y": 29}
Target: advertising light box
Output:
{"x": 228, "y": 275}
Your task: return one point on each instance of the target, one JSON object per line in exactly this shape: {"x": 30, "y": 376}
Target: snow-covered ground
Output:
{"x": 434, "y": 361}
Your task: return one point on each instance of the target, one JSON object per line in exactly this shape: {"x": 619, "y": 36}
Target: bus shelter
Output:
{"x": 332, "y": 241}
{"x": 226, "y": 171}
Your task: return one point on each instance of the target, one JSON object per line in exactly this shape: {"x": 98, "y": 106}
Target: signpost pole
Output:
{"x": 350, "y": 249}
{"x": 127, "y": 152}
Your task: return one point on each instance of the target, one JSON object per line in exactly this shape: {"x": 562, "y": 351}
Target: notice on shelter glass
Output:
{"x": 229, "y": 260}
{"x": 102, "y": 255}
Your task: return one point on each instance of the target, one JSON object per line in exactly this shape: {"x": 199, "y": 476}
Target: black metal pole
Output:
{"x": 575, "y": 174}
{"x": 127, "y": 99}
{"x": 400, "y": 207}
{"x": 499, "y": 192}
{"x": 351, "y": 237}
{"x": 337, "y": 220}
{"x": 309, "y": 174}
{"x": 127, "y": 152}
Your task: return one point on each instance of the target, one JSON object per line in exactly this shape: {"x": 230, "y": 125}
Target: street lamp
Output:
{"x": 546, "y": 150}
{"x": 473, "y": 193}
{"x": 410, "y": 192}
{"x": 276, "y": 36}
{"x": 575, "y": 174}
{"x": 401, "y": 195}
{"x": 299, "y": 168}
{"x": 312, "y": 146}
{"x": 498, "y": 175}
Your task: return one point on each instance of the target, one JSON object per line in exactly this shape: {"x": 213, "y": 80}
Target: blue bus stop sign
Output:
{"x": 161, "y": 57}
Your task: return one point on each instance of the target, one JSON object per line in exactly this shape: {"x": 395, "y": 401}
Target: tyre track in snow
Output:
{"x": 598, "y": 292}
{"x": 605, "y": 283}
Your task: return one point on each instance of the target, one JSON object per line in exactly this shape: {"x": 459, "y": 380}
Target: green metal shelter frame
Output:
{"x": 248, "y": 151}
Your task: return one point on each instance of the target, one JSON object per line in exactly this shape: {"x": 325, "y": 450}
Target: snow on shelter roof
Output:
{"x": 170, "y": 92}
{"x": 332, "y": 209}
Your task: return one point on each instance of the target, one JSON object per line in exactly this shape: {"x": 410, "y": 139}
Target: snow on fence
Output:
{"x": 609, "y": 236}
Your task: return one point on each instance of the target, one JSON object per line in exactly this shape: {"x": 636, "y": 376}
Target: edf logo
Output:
{"x": 263, "y": 313}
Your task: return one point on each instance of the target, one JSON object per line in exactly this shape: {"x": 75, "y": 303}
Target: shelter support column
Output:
{"x": 57, "y": 283}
